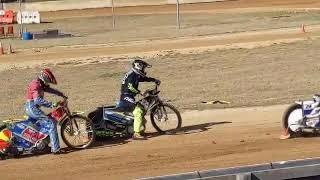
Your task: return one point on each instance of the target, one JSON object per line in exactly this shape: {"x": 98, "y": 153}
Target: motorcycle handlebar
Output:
{"x": 64, "y": 102}
{"x": 149, "y": 90}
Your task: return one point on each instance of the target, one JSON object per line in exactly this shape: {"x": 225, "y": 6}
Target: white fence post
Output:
{"x": 21, "y": 25}
{"x": 113, "y": 16}
{"x": 178, "y": 14}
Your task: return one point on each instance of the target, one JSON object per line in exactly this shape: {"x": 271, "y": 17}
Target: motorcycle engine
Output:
{"x": 40, "y": 145}
{"x": 130, "y": 130}
{"x": 12, "y": 151}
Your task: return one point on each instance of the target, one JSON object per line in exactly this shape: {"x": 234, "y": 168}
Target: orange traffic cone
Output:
{"x": 303, "y": 28}
{"x": 1, "y": 49}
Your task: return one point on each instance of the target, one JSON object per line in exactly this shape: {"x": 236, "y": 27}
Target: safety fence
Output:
{"x": 306, "y": 169}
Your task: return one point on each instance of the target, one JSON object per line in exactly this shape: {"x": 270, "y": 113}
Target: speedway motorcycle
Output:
{"x": 164, "y": 116}
{"x": 302, "y": 116}
{"x": 31, "y": 136}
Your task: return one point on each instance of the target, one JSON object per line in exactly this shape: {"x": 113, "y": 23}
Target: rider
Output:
{"x": 35, "y": 100}
{"x": 129, "y": 89}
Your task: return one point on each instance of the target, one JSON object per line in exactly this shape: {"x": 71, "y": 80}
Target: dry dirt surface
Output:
{"x": 256, "y": 58}
{"x": 209, "y": 139}
{"x": 94, "y": 26}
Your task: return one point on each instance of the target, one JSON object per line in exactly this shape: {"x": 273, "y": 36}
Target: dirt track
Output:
{"x": 210, "y": 138}
{"x": 157, "y": 47}
{"x": 233, "y": 5}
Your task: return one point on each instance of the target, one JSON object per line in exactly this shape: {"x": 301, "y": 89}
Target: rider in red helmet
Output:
{"x": 35, "y": 100}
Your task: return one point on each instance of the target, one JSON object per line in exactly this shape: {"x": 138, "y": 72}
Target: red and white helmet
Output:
{"x": 47, "y": 77}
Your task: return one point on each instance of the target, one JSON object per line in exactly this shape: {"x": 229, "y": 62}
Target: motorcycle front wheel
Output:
{"x": 165, "y": 117}
{"x": 77, "y": 132}
{"x": 291, "y": 117}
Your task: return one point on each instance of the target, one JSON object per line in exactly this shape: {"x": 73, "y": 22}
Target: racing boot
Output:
{"x": 138, "y": 136}
{"x": 286, "y": 134}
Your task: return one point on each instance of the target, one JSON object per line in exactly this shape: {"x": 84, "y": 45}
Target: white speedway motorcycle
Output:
{"x": 303, "y": 116}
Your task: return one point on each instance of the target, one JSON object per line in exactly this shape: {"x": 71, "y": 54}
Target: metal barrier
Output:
{"x": 295, "y": 169}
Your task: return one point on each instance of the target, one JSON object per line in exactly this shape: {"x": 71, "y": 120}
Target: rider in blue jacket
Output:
{"x": 130, "y": 88}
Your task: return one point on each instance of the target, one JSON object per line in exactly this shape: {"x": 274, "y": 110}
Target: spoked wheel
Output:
{"x": 291, "y": 118}
{"x": 77, "y": 132}
{"x": 165, "y": 118}
{"x": 2, "y": 157}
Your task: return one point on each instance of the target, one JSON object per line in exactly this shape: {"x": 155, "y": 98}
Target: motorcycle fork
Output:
{"x": 304, "y": 119}
{"x": 72, "y": 129}
{"x": 161, "y": 112}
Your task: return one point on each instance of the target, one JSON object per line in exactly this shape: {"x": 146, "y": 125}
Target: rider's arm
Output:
{"x": 37, "y": 95}
{"x": 42, "y": 102}
{"x": 132, "y": 89}
{"x": 39, "y": 100}
{"x": 51, "y": 90}
{"x": 129, "y": 80}
{"x": 147, "y": 79}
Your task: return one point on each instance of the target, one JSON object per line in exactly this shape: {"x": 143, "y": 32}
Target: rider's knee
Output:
{"x": 138, "y": 111}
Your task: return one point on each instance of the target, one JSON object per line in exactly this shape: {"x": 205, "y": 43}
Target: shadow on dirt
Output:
{"x": 102, "y": 142}
{"x": 192, "y": 129}
{"x": 22, "y": 156}
{"x": 199, "y": 127}
{"x": 306, "y": 135}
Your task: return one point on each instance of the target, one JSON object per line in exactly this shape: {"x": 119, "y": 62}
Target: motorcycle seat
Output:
{"x": 128, "y": 113}
{"x": 120, "y": 110}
